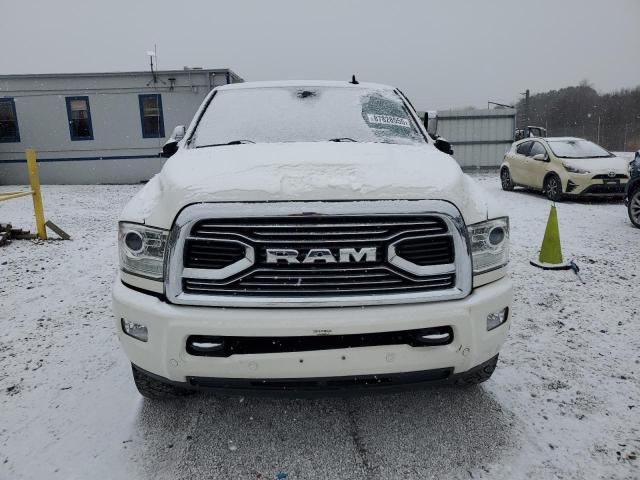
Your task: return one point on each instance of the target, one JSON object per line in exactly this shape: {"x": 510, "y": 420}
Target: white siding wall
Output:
{"x": 124, "y": 156}
{"x": 480, "y": 138}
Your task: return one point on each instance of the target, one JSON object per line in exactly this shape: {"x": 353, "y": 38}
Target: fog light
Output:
{"x": 496, "y": 319}
{"x": 135, "y": 330}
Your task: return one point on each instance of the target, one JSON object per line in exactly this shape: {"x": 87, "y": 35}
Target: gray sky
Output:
{"x": 443, "y": 54}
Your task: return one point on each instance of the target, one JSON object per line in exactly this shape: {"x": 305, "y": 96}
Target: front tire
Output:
{"x": 154, "y": 389}
{"x": 634, "y": 207}
{"x": 505, "y": 180}
{"x": 553, "y": 188}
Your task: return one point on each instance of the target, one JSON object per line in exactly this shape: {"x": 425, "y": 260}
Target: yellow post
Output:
{"x": 32, "y": 168}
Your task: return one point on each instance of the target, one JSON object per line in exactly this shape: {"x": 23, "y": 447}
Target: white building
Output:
{"x": 97, "y": 127}
{"x": 479, "y": 138}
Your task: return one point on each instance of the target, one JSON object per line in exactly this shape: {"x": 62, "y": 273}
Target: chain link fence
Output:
{"x": 623, "y": 137}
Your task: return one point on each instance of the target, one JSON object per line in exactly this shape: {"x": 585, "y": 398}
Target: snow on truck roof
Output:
{"x": 562, "y": 139}
{"x": 552, "y": 139}
{"x": 304, "y": 84}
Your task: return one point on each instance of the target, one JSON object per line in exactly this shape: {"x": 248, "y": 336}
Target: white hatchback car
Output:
{"x": 563, "y": 166}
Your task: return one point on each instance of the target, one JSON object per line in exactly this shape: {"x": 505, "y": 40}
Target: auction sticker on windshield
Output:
{"x": 388, "y": 120}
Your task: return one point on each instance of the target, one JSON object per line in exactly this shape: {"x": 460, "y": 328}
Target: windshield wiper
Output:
{"x": 342, "y": 139}
{"x": 233, "y": 142}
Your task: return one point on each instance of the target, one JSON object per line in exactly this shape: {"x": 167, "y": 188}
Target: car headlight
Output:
{"x": 572, "y": 169}
{"x": 142, "y": 250}
{"x": 489, "y": 244}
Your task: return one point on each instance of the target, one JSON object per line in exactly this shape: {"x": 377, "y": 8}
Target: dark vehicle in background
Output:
{"x": 528, "y": 132}
{"x": 632, "y": 193}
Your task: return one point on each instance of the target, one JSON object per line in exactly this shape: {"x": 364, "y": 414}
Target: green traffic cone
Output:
{"x": 551, "y": 251}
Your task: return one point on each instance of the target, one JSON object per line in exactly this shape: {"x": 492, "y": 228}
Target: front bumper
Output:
{"x": 342, "y": 385}
{"x": 586, "y": 185}
{"x": 165, "y": 355}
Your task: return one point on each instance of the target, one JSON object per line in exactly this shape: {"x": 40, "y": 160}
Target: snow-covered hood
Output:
{"x": 599, "y": 165}
{"x": 306, "y": 171}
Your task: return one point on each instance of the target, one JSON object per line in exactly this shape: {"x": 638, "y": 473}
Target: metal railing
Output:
{"x": 34, "y": 179}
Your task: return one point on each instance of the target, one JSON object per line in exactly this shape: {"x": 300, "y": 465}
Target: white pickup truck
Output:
{"x": 310, "y": 236}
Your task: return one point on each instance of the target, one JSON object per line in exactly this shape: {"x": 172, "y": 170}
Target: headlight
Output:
{"x": 572, "y": 169}
{"x": 489, "y": 244}
{"x": 142, "y": 250}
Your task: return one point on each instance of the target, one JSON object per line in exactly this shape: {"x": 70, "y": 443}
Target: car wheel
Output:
{"x": 505, "y": 180}
{"x": 154, "y": 389}
{"x": 553, "y": 188}
{"x": 634, "y": 207}
{"x": 478, "y": 374}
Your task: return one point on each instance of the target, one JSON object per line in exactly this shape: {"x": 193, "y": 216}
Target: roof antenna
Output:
{"x": 353, "y": 80}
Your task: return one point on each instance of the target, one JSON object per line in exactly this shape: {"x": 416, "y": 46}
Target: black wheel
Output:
{"x": 634, "y": 207}
{"x": 505, "y": 180}
{"x": 154, "y": 389}
{"x": 553, "y": 188}
{"x": 478, "y": 374}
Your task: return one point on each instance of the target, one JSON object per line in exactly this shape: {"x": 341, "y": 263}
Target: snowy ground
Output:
{"x": 564, "y": 402}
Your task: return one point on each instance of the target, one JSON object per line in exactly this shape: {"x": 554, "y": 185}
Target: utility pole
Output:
{"x": 152, "y": 54}
{"x": 526, "y": 107}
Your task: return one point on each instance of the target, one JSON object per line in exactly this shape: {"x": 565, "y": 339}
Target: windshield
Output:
{"x": 577, "y": 149}
{"x": 306, "y": 114}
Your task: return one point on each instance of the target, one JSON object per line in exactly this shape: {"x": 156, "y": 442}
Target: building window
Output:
{"x": 151, "y": 115}
{"x": 8, "y": 121}
{"x": 79, "y": 117}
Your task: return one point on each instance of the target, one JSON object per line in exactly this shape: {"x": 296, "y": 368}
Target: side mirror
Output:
{"x": 178, "y": 133}
{"x": 171, "y": 146}
{"x": 443, "y": 145}
{"x": 431, "y": 122}
{"x": 541, "y": 157}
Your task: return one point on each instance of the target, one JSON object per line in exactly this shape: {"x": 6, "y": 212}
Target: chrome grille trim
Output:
{"x": 328, "y": 241}
{"x": 307, "y": 281}
{"x": 219, "y": 273}
{"x": 455, "y": 284}
{"x": 407, "y": 266}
